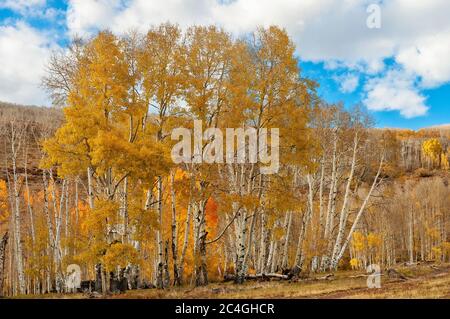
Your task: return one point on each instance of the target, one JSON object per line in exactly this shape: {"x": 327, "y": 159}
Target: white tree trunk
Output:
{"x": 344, "y": 209}
{"x": 90, "y": 187}
{"x": 17, "y": 225}
{"x": 411, "y": 236}
{"x": 3, "y": 244}
{"x": 186, "y": 239}
{"x": 241, "y": 223}
{"x": 176, "y": 273}
{"x": 285, "y": 255}
{"x": 159, "y": 239}
{"x": 338, "y": 256}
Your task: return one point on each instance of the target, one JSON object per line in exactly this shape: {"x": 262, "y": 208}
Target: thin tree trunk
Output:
{"x": 186, "y": 240}
{"x": 200, "y": 271}
{"x": 3, "y": 244}
{"x": 17, "y": 224}
{"x": 159, "y": 239}
{"x": 241, "y": 245}
{"x": 357, "y": 218}
{"x": 77, "y": 213}
{"x": 263, "y": 247}
{"x": 176, "y": 274}
{"x": 300, "y": 254}
{"x": 285, "y": 256}
{"x": 410, "y": 237}
{"x": 125, "y": 216}
{"x": 344, "y": 210}
{"x": 66, "y": 220}
{"x": 329, "y": 220}
{"x": 90, "y": 187}
{"x": 30, "y": 208}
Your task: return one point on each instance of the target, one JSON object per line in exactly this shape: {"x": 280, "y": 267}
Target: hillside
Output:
{"x": 438, "y": 127}
{"x": 34, "y": 123}
{"x": 42, "y": 122}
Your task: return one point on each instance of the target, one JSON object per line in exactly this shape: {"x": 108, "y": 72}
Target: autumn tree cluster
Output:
{"x": 109, "y": 198}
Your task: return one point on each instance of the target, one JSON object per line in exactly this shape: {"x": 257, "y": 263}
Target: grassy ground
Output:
{"x": 423, "y": 281}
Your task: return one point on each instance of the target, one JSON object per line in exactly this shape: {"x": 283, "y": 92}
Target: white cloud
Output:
{"x": 396, "y": 91}
{"x": 414, "y": 34}
{"x": 24, "y": 7}
{"x": 23, "y": 53}
{"x": 323, "y": 29}
{"x": 32, "y": 9}
{"x": 332, "y": 31}
{"x": 348, "y": 83}
{"x": 141, "y": 14}
{"x": 429, "y": 59}
{"x": 86, "y": 17}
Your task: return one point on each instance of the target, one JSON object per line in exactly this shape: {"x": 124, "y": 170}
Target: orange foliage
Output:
{"x": 4, "y": 211}
{"x": 211, "y": 213}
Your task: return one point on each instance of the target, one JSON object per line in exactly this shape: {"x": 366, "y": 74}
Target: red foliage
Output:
{"x": 211, "y": 213}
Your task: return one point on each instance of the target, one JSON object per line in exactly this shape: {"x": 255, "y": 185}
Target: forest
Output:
{"x": 91, "y": 181}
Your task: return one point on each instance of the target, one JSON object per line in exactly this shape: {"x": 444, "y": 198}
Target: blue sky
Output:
{"x": 399, "y": 71}
{"x": 438, "y": 100}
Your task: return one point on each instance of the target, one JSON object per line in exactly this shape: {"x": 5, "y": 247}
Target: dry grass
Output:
{"x": 424, "y": 281}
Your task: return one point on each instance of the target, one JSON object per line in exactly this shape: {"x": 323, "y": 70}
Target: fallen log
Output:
{"x": 262, "y": 277}
{"x": 326, "y": 277}
{"x": 434, "y": 267}
{"x": 277, "y": 276}
{"x": 364, "y": 275}
{"x": 359, "y": 276}
{"x": 394, "y": 274}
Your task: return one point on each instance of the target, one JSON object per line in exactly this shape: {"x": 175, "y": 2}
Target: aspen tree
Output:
{"x": 15, "y": 133}
{"x": 161, "y": 64}
{"x": 208, "y": 59}
{"x": 3, "y": 244}
{"x": 80, "y": 145}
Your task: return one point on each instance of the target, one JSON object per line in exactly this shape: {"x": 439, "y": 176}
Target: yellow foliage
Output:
{"x": 354, "y": 263}
{"x": 433, "y": 232}
{"x": 373, "y": 240}
{"x": 437, "y": 251}
{"x": 445, "y": 161}
{"x": 104, "y": 213}
{"x": 120, "y": 255}
{"x": 433, "y": 149}
{"x": 358, "y": 241}
{"x": 4, "y": 204}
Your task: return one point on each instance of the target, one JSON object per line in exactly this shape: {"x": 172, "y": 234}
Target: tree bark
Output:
{"x": 186, "y": 240}
{"x": 285, "y": 256}
{"x": 17, "y": 225}
{"x": 159, "y": 240}
{"x": 200, "y": 270}
{"x": 410, "y": 237}
{"x": 3, "y": 244}
{"x": 90, "y": 187}
{"x": 338, "y": 256}
{"x": 176, "y": 272}
{"x": 329, "y": 219}
{"x": 241, "y": 245}
{"x": 344, "y": 209}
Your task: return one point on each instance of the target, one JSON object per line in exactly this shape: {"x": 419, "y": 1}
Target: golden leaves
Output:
{"x": 4, "y": 204}
{"x": 119, "y": 255}
{"x": 432, "y": 148}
